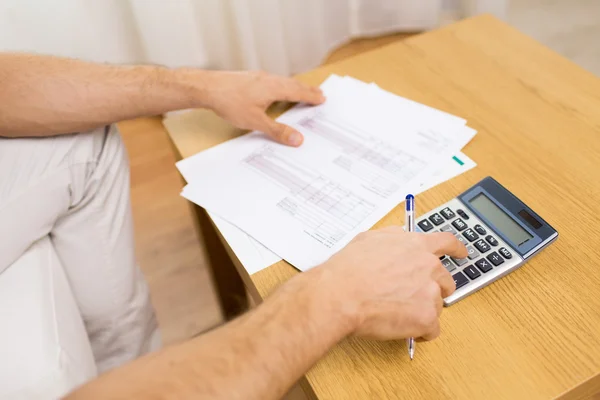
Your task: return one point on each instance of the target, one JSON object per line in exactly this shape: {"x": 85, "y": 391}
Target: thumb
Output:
{"x": 281, "y": 133}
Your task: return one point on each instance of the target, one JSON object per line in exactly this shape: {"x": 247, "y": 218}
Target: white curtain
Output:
{"x": 281, "y": 36}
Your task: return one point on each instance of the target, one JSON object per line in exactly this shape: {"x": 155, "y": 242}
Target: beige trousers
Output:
{"x": 74, "y": 189}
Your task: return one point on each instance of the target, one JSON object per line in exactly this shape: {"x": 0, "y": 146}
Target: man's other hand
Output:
{"x": 243, "y": 97}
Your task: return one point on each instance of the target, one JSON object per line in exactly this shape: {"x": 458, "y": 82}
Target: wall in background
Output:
{"x": 281, "y": 36}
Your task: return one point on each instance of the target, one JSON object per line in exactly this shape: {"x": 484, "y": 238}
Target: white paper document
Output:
{"x": 361, "y": 155}
{"x": 256, "y": 257}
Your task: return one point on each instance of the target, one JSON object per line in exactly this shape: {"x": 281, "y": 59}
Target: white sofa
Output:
{"x": 44, "y": 348}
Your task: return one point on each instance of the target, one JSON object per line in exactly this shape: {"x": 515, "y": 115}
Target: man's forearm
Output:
{"x": 44, "y": 95}
{"x": 258, "y": 356}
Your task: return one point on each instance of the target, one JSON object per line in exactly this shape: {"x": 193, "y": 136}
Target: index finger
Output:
{"x": 445, "y": 243}
{"x": 294, "y": 91}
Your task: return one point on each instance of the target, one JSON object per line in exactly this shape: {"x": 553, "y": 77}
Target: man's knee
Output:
{"x": 41, "y": 179}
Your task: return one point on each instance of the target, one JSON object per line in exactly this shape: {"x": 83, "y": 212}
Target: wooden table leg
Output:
{"x": 230, "y": 288}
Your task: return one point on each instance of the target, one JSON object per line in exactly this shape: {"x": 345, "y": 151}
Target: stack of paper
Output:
{"x": 365, "y": 149}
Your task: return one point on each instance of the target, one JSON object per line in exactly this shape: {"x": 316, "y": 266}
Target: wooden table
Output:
{"x": 534, "y": 334}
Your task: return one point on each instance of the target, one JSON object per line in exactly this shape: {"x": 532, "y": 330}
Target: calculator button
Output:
{"x": 471, "y": 235}
{"x": 448, "y": 213}
{"x": 482, "y": 246}
{"x": 491, "y": 240}
{"x": 460, "y": 280}
{"x": 460, "y": 261}
{"x": 462, "y": 240}
{"x": 480, "y": 229}
{"x": 505, "y": 253}
{"x": 425, "y": 225}
{"x": 473, "y": 253}
{"x": 436, "y": 219}
{"x": 495, "y": 258}
{"x": 472, "y": 272}
{"x": 459, "y": 224}
{"x": 483, "y": 265}
{"x": 462, "y": 214}
{"x": 449, "y": 265}
{"x": 448, "y": 228}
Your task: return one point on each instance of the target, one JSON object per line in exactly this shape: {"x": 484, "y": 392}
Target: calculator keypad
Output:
{"x": 480, "y": 229}
{"x": 483, "y": 265}
{"x": 462, "y": 240}
{"x": 460, "y": 279}
{"x": 491, "y": 240}
{"x": 462, "y": 213}
{"x": 482, "y": 246}
{"x": 449, "y": 265}
{"x": 425, "y": 225}
{"x": 473, "y": 253}
{"x": 471, "y": 235}
{"x": 495, "y": 258}
{"x": 436, "y": 219}
{"x": 472, "y": 272}
{"x": 448, "y": 213}
{"x": 505, "y": 253}
{"x": 460, "y": 261}
{"x": 459, "y": 224}
{"x": 448, "y": 228}
{"x": 486, "y": 252}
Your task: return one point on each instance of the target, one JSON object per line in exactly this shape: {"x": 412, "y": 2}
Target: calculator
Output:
{"x": 501, "y": 234}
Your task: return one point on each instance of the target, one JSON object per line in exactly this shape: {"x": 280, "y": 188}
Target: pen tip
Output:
{"x": 411, "y": 353}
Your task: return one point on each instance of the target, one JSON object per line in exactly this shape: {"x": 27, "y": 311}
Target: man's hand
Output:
{"x": 393, "y": 282}
{"x": 243, "y": 97}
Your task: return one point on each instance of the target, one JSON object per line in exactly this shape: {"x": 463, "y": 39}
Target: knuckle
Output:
{"x": 433, "y": 291}
{"x": 428, "y": 318}
{"x": 431, "y": 260}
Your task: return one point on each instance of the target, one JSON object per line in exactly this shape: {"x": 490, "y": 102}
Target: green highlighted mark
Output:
{"x": 458, "y": 160}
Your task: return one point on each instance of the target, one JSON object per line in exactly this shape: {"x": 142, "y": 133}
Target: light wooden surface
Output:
{"x": 536, "y": 333}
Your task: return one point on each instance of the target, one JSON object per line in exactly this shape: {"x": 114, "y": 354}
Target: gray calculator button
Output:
{"x": 448, "y": 228}
{"x": 482, "y": 246}
{"x": 471, "y": 235}
{"x": 473, "y": 253}
{"x": 480, "y": 229}
{"x": 472, "y": 272}
{"x": 460, "y": 279}
{"x": 505, "y": 253}
{"x": 495, "y": 258}
{"x": 448, "y": 213}
{"x": 462, "y": 240}
{"x": 460, "y": 261}
{"x": 459, "y": 224}
{"x": 491, "y": 240}
{"x": 483, "y": 265}
{"x": 425, "y": 225}
{"x": 449, "y": 265}
{"x": 462, "y": 214}
{"x": 436, "y": 219}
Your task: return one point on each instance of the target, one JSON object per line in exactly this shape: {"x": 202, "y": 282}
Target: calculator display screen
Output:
{"x": 501, "y": 220}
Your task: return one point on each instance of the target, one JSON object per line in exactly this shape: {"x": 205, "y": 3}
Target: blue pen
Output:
{"x": 410, "y": 227}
